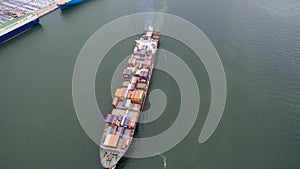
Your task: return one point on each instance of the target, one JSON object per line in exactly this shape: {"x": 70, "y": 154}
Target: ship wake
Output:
{"x": 164, "y": 160}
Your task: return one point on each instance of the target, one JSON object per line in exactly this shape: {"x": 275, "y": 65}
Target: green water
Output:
{"x": 258, "y": 43}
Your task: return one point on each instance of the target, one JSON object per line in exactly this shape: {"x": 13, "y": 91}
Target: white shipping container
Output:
{"x": 107, "y": 139}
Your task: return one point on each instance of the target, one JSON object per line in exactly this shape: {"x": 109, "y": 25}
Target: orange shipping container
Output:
{"x": 113, "y": 141}
{"x": 118, "y": 93}
{"x": 135, "y": 96}
{"x": 129, "y": 96}
{"x": 134, "y": 80}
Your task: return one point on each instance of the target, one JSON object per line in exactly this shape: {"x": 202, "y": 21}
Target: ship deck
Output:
{"x": 13, "y": 21}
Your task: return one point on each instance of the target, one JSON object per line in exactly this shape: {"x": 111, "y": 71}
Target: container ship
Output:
{"x": 17, "y": 26}
{"x": 129, "y": 99}
{"x": 62, "y": 4}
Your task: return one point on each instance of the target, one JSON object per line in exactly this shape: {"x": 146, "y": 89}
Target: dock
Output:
{"x": 18, "y": 16}
{"x": 10, "y": 9}
{"x": 46, "y": 10}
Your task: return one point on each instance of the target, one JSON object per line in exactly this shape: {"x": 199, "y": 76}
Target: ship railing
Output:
{"x": 112, "y": 149}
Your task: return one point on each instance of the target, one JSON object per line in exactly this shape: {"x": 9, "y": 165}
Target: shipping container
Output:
{"x": 111, "y": 140}
{"x": 114, "y": 102}
{"x": 118, "y": 93}
{"x": 107, "y": 118}
{"x": 110, "y": 118}
{"x": 128, "y": 103}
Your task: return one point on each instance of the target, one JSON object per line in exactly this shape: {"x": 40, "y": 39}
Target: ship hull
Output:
{"x": 14, "y": 33}
{"x": 68, "y": 4}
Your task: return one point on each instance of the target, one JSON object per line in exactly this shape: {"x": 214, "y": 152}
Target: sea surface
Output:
{"x": 258, "y": 42}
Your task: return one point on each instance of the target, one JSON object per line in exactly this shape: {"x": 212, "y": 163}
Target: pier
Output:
{"x": 10, "y": 9}
{"x": 17, "y": 16}
{"x": 46, "y": 10}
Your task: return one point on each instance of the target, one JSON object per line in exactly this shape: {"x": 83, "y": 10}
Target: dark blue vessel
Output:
{"x": 17, "y": 26}
{"x": 67, "y": 3}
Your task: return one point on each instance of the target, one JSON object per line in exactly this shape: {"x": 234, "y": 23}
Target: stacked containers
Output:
{"x": 130, "y": 93}
{"x": 141, "y": 65}
{"x": 112, "y": 130}
{"x": 137, "y": 72}
{"x": 125, "y": 83}
{"x": 130, "y": 60}
{"x": 114, "y": 119}
{"x": 107, "y": 138}
{"x": 107, "y": 117}
{"x": 110, "y": 118}
{"x": 133, "y": 77}
{"x": 117, "y": 122}
{"x": 121, "y": 131}
{"x": 147, "y": 64}
{"x": 143, "y": 52}
{"x": 131, "y": 86}
{"x": 124, "y": 103}
{"x": 133, "y": 63}
{"x": 111, "y": 140}
{"x": 131, "y": 123}
{"x": 122, "y": 121}
{"x": 115, "y": 129}
{"x": 144, "y": 74}
{"x": 127, "y": 122}
{"x": 114, "y": 102}
{"x": 127, "y": 73}
{"x": 134, "y": 80}
{"x": 142, "y": 86}
{"x": 137, "y": 97}
{"x": 128, "y": 103}
{"x": 120, "y": 93}
{"x": 124, "y": 93}
{"x": 141, "y": 97}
